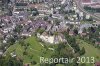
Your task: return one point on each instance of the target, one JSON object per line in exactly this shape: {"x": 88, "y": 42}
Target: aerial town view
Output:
{"x": 49, "y": 32}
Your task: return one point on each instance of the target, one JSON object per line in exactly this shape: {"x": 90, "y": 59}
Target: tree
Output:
{"x": 91, "y": 29}
{"x": 84, "y": 30}
{"x": 75, "y": 62}
{"x": 21, "y": 42}
{"x": 72, "y": 42}
{"x": 33, "y": 62}
{"x": 10, "y": 61}
{"x": 45, "y": 18}
{"x": 62, "y": 51}
{"x": 34, "y": 11}
{"x": 65, "y": 17}
{"x": 56, "y": 21}
{"x": 82, "y": 51}
{"x": 39, "y": 30}
{"x": 25, "y": 53}
{"x": 11, "y": 40}
{"x": 18, "y": 28}
{"x": 27, "y": 44}
{"x": 71, "y": 26}
{"x": 50, "y": 15}
{"x": 75, "y": 31}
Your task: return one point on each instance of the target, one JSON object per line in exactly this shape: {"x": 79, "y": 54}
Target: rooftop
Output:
{"x": 86, "y": 1}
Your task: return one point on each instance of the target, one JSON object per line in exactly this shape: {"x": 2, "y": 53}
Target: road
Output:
{"x": 79, "y": 6}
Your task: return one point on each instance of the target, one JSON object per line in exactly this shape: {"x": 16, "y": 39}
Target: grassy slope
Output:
{"x": 91, "y": 51}
{"x": 35, "y": 50}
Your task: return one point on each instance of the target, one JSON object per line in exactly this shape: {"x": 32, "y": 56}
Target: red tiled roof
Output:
{"x": 86, "y": 1}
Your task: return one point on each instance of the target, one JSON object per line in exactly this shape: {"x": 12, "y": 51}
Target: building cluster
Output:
{"x": 91, "y": 3}
{"x": 22, "y": 22}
